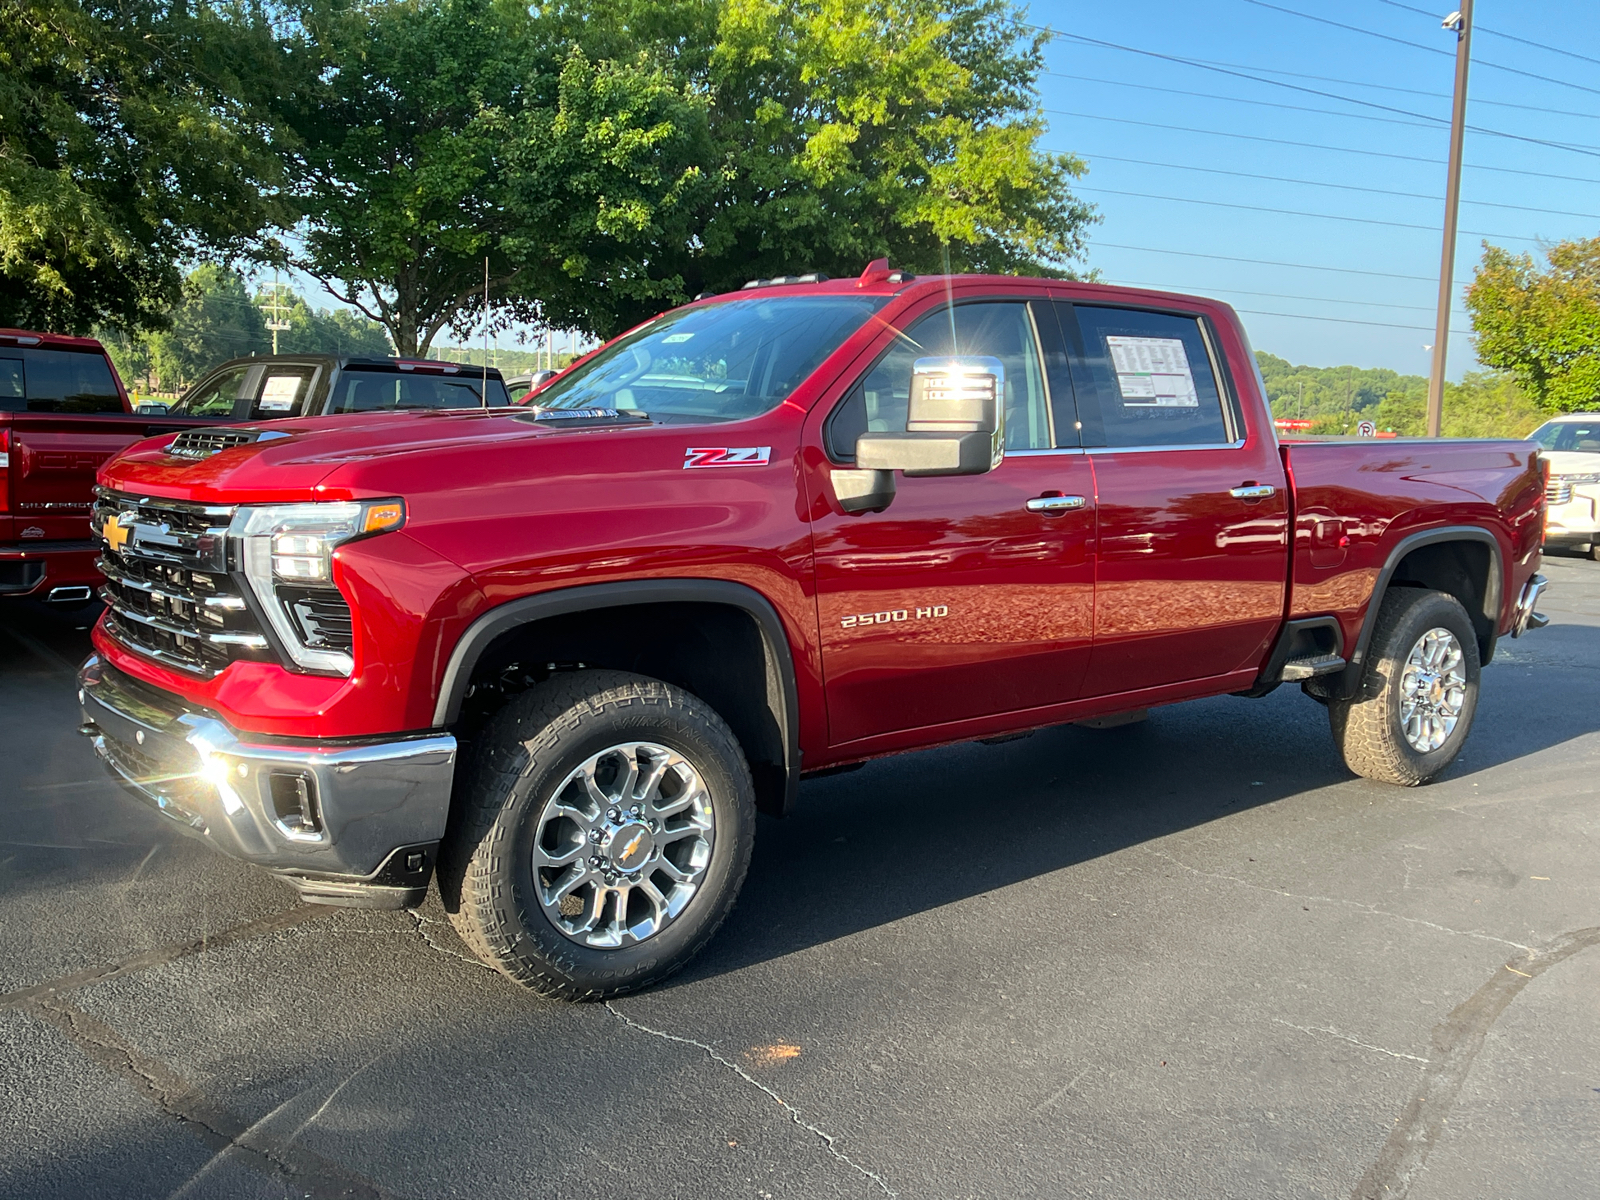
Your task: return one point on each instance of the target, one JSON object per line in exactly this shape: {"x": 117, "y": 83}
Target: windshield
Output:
{"x": 721, "y": 361}
{"x": 1580, "y": 436}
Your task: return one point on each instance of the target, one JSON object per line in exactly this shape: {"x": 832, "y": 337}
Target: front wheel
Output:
{"x": 1418, "y": 694}
{"x": 604, "y": 836}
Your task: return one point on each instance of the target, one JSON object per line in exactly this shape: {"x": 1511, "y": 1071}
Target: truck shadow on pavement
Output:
{"x": 909, "y": 834}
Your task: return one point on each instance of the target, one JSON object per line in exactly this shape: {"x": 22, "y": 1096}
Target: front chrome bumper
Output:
{"x": 1523, "y": 617}
{"x": 345, "y": 822}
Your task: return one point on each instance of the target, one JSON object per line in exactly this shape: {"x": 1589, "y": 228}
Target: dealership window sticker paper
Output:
{"x": 281, "y": 392}
{"x": 1152, "y": 372}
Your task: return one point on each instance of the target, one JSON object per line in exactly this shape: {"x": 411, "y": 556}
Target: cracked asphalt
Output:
{"x": 1188, "y": 958}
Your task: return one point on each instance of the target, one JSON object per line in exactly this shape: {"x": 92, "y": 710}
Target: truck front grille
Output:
{"x": 1558, "y": 491}
{"x": 168, "y": 589}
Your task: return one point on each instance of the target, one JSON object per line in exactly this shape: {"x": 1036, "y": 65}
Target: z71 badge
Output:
{"x": 726, "y": 456}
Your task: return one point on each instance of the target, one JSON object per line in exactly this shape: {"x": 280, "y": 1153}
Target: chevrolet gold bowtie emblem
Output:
{"x": 114, "y": 532}
{"x": 627, "y": 851}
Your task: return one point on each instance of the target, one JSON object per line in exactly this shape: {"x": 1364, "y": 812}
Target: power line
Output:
{"x": 1267, "y": 262}
{"x": 1430, "y": 123}
{"x": 1255, "y": 137}
{"x": 1510, "y": 37}
{"x": 1258, "y": 312}
{"x": 1346, "y": 187}
{"x": 1167, "y": 287}
{"x": 1574, "y": 147}
{"x": 1290, "y": 212}
{"x": 1419, "y": 46}
{"x": 1383, "y": 87}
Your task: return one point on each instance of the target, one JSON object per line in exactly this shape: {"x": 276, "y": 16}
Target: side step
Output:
{"x": 1305, "y": 668}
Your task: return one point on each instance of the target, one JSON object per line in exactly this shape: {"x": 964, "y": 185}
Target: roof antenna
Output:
{"x": 483, "y": 397}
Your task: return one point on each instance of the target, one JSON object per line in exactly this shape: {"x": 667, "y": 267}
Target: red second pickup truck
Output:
{"x": 560, "y": 655}
{"x": 63, "y": 412}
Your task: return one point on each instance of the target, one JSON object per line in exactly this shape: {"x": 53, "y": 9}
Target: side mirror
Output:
{"x": 150, "y": 408}
{"x": 955, "y": 425}
{"x": 540, "y": 378}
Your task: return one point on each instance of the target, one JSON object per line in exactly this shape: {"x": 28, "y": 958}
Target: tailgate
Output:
{"x": 54, "y": 458}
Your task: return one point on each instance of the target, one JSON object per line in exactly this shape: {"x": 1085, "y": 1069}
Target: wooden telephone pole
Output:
{"x": 1461, "y": 22}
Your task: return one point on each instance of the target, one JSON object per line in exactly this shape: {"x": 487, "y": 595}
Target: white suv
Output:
{"x": 1572, "y": 445}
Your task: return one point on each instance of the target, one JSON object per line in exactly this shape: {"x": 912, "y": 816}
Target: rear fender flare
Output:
{"x": 1492, "y": 593}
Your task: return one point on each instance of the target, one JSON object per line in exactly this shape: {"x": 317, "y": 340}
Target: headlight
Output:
{"x": 287, "y": 554}
{"x": 1590, "y": 477}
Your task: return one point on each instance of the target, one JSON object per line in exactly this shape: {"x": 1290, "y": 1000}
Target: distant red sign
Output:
{"x": 1286, "y": 423}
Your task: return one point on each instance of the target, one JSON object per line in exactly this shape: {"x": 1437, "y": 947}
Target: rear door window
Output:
{"x": 375, "y": 391}
{"x": 1143, "y": 378}
{"x": 60, "y": 381}
{"x": 217, "y": 397}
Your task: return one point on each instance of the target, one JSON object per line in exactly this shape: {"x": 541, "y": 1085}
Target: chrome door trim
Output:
{"x": 1148, "y": 449}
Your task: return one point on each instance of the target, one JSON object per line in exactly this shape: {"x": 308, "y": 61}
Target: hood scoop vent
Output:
{"x": 203, "y": 443}
{"x": 566, "y": 418}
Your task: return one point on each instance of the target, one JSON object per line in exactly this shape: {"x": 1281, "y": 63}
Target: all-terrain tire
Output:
{"x": 527, "y": 750}
{"x": 1368, "y": 727}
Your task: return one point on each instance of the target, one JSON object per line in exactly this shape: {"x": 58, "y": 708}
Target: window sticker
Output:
{"x": 676, "y": 337}
{"x": 1152, "y": 372}
{"x": 281, "y": 392}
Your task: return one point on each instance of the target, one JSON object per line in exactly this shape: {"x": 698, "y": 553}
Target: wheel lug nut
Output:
{"x": 635, "y": 810}
{"x": 614, "y": 814}
{"x": 594, "y": 835}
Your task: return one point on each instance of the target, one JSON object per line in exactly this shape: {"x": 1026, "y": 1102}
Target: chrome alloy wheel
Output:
{"x": 1433, "y": 690}
{"x": 623, "y": 845}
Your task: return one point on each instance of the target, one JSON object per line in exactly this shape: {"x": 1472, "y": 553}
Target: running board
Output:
{"x": 1305, "y": 668}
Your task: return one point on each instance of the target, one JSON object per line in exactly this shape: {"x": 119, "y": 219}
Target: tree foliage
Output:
{"x": 612, "y": 158}
{"x": 450, "y": 132}
{"x": 1542, "y": 325}
{"x": 128, "y": 142}
{"x": 1336, "y": 399}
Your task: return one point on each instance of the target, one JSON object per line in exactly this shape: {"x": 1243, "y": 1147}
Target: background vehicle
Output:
{"x": 63, "y": 412}
{"x": 269, "y": 387}
{"x": 1572, "y": 447}
{"x": 772, "y": 533}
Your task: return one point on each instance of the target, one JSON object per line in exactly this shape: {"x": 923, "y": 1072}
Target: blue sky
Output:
{"x": 1106, "y": 105}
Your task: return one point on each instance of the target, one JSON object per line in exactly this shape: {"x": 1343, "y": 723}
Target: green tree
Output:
{"x": 450, "y": 132}
{"x": 1542, "y": 325}
{"x": 215, "y": 321}
{"x": 612, "y": 159}
{"x": 129, "y": 141}
{"x": 845, "y": 130}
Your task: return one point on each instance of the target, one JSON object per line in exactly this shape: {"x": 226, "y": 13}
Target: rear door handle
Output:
{"x": 1056, "y": 504}
{"x": 1253, "y": 491}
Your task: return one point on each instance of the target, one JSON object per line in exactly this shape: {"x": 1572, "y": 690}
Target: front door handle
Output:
{"x": 1253, "y": 491}
{"x": 1056, "y": 504}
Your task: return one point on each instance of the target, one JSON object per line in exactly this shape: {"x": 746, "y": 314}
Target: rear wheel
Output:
{"x": 1419, "y": 692}
{"x": 604, "y": 836}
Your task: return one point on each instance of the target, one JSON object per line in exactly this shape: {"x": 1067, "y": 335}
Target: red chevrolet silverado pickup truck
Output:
{"x": 558, "y": 656}
{"x": 63, "y": 412}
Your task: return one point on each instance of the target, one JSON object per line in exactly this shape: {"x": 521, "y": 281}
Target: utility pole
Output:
{"x": 1461, "y": 22}
{"x": 275, "y": 312}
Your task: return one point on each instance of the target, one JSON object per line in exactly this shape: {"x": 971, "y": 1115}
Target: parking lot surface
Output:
{"x": 1193, "y": 957}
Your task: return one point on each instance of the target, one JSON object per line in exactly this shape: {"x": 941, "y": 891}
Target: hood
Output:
{"x": 294, "y": 459}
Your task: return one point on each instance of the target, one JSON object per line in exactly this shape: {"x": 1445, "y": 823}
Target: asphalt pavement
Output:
{"x": 1188, "y": 958}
